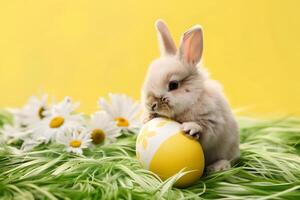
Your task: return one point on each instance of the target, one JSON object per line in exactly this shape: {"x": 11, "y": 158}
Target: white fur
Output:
{"x": 198, "y": 103}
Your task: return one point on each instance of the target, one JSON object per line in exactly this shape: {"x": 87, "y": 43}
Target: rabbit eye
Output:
{"x": 173, "y": 85}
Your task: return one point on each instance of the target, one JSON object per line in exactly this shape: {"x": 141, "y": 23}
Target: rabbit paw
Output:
{"x": 220, "y": 165}
{"x": 192, "y": 128}
{"x": 149, "y": 117}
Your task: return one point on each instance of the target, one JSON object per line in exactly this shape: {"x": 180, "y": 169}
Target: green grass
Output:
{"x": 269, "y": 168}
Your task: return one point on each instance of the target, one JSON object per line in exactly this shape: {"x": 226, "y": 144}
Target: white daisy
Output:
{"x": 29, "y": 143}
{"x": 32, "y": 112}
{"x": 12, "y": 133}
{"x": 59, "y": 117}
{"x": 123, "y": 110}
{"x": 75, "y": 139}
{"x": 103, "y": 128}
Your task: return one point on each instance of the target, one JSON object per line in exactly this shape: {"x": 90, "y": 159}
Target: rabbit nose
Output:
{"x": 154, "y": 106}
{"x": 165, "y": 99}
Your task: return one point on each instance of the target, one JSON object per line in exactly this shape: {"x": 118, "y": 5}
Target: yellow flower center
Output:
{"x": 122, "y": 122}
{"x": 75, "y": 143}
{"x": 40, "y": 112}
{"x": 97, "y": 136}
{"x": 56, "y": 122}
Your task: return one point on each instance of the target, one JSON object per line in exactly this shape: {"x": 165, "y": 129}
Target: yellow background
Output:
{"x": 86, "y": 49}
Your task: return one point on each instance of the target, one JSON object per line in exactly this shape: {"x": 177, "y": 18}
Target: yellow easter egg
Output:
{"x": 163, "y": 148}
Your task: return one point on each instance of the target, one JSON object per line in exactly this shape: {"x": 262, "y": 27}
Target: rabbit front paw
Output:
{"x": 149, "y": 117}
{"x": 192, "y": 129}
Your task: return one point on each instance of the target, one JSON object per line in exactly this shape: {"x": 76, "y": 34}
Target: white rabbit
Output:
{"x": 177, "y": 88}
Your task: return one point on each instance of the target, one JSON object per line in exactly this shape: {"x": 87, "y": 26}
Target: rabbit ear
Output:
{"x": 191, "y": 46}
{"x": 166, "y": 43}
